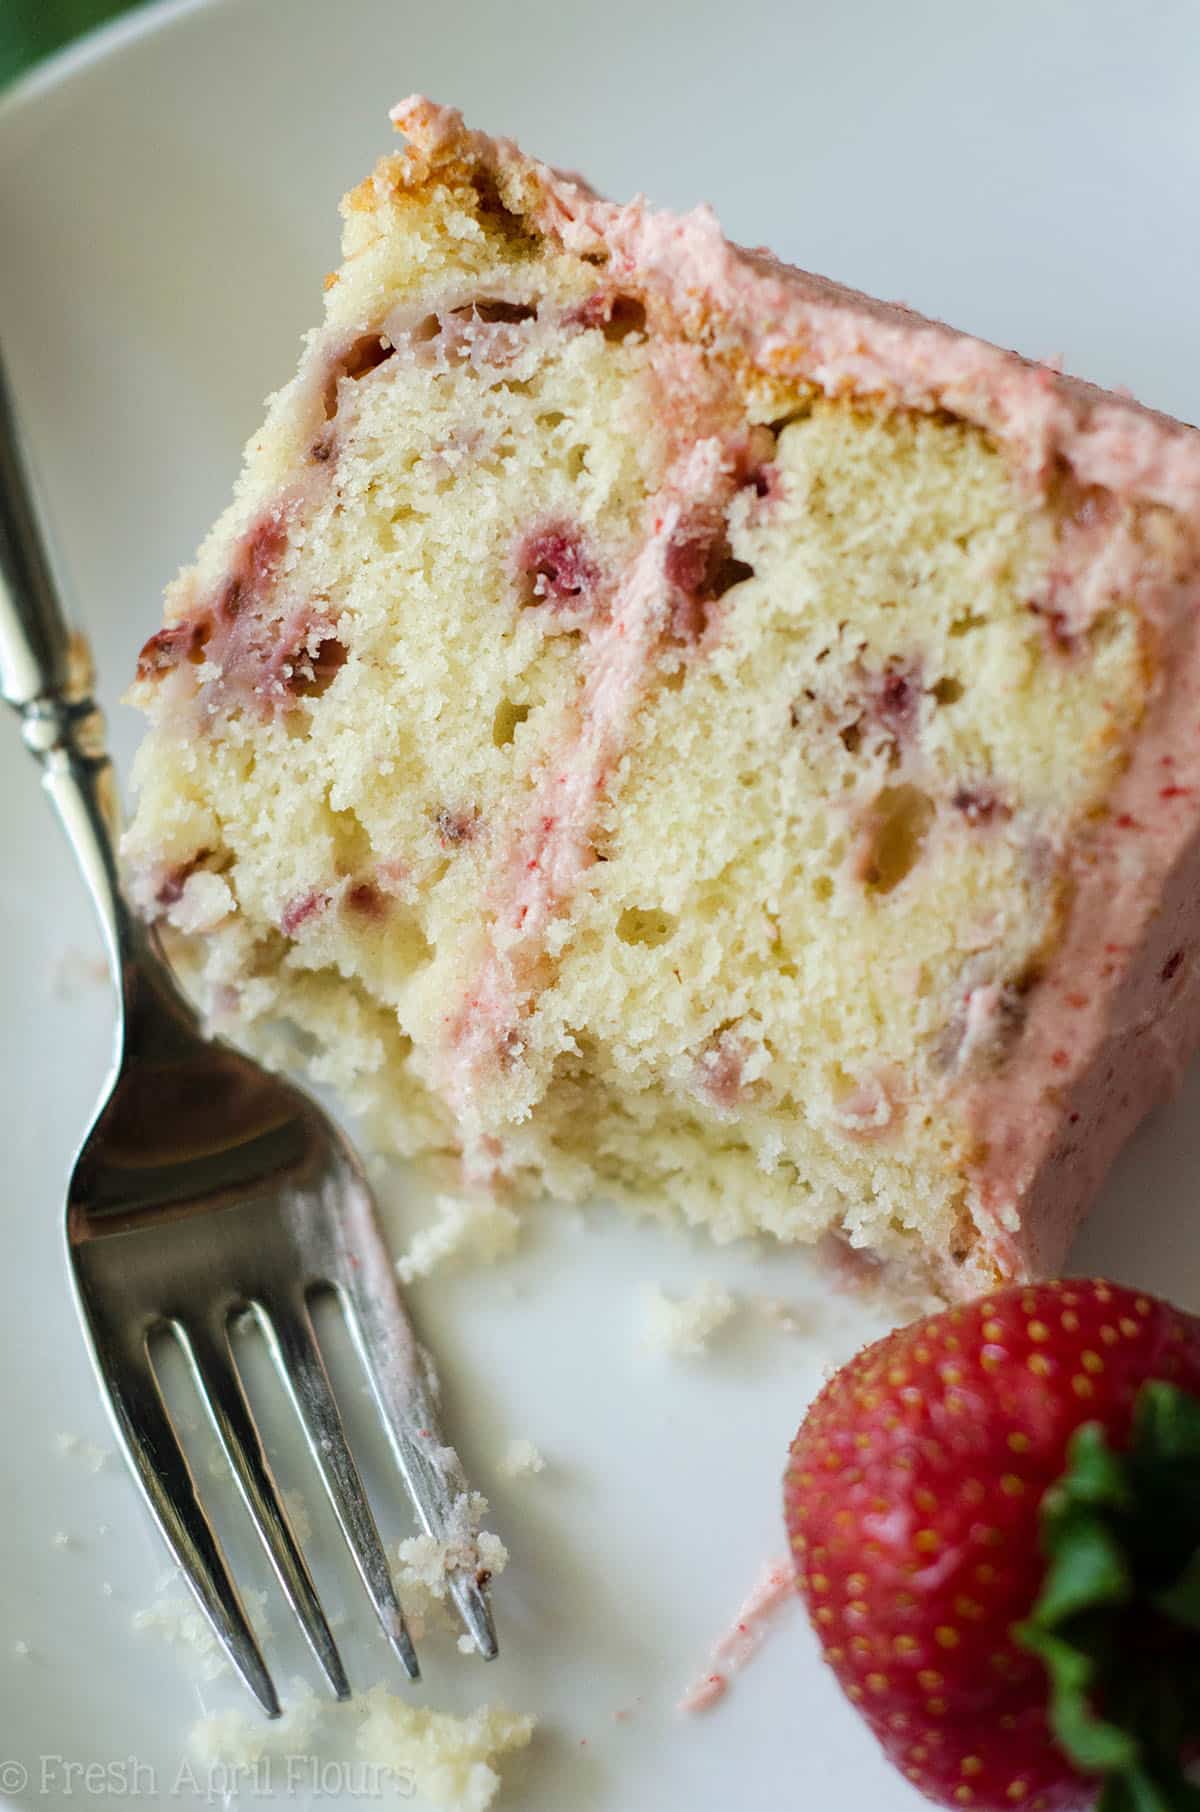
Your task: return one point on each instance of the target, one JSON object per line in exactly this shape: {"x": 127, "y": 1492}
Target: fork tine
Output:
{"x": 217, "y": 1379}
{"x": 147, "y": 1434}
{"x": 430, "y": 1468}
{"x": 288, "y": 1326}
{"x": 386, "y": 1345}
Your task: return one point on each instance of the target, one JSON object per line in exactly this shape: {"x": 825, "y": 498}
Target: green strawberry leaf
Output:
{"x": 1181, "y": 1600}
{"x": 1166, "y": 1423}
{"x": 1092, "y": 1744}
{"x": 1095, "y": 1475}
{"x": 1119, "y": 1600}
{"x": 1138, "y": 1791}
{"x": 1087, "y": 1569}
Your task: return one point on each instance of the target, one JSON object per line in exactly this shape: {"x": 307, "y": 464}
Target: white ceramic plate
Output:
{"x": 167, "y": 209}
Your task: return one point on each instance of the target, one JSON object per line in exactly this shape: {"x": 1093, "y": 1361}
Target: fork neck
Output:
{"x": 66, "y": 735}
{"x": 46, "y": 675}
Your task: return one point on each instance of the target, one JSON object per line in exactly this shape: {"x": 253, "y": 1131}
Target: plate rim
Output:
{"x": 80, "y": 54}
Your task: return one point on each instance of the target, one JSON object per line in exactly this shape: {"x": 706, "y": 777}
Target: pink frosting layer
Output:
{"x": 1117, "y": 1014}
{"x": 553, "y": 845}
{"x": 1118, "y": 1009}
{"x": 806, "y": 326}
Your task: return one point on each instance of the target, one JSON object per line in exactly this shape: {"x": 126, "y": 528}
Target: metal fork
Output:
{"x": 208, "y": 1188}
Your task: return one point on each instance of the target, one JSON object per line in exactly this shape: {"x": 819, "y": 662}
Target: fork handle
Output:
{"x": 46, "y": 674}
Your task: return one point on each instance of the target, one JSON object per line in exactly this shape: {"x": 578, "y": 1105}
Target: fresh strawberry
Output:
{"x": 995, "y": 1518}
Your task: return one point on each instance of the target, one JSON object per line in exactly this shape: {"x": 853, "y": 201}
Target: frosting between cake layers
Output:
{"x": 553, "y": 844}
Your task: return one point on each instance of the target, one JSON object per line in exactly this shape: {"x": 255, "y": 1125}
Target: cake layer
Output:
{"x": 655, "y": 724}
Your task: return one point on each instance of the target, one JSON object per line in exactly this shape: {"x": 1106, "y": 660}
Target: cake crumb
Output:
{"x": 206, "y": 899}
{"x": 445, "y": 1760}
{"x": 519, "y": 1458}
{"x": 181, "y": 1622}
{"x": 448, "y": 1759}
{"x": 426, "y": 1564}
{"x": 474, "y": 1226}
{"x": 89, "y": 1453}
{"x": 684, "y": 1325}
{"x": 237, "y": 1740}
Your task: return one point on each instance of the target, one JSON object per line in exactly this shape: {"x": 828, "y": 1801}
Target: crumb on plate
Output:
{"x": 477, "y": 1227}
{"x": 684, "y": 1325}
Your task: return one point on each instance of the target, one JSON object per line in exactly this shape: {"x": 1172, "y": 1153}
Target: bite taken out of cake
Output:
{"x": 655, "y": 724}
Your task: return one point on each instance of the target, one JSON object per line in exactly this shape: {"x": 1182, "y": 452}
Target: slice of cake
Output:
{"x": 655, "y": 724}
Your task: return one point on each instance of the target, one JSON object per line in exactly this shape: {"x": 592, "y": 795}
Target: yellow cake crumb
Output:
{"x": 520, "y": 1458}
{"x": 684, "y": 1325}
{"x": 476, "y": 1226}
{"x": 406, "y": 1750}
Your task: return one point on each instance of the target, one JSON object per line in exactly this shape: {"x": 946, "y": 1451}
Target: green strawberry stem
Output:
{"x": 1118, "y": 1618}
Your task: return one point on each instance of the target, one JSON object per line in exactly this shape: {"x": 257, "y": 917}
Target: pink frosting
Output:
{"x": 775, "y": 1587}
{"x": 806, "y": 326}
{"x": 1117, "y": 1013}
{"x": 553, "y": 845}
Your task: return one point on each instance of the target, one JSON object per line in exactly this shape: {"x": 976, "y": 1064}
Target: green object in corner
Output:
{"x": 31, "y": 29}
{"x": 1117, "y": 1620}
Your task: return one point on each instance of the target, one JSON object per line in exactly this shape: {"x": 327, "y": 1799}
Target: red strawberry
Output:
{"x": 995, "y": 1517}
